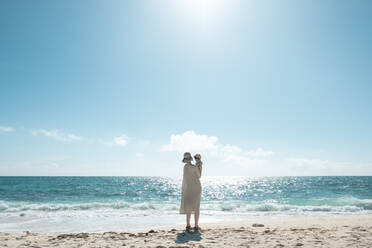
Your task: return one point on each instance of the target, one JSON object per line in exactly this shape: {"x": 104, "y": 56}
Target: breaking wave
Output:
{"x": 342, "y": 205}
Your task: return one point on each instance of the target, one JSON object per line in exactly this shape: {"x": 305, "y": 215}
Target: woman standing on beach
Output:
{"x": 191, "y": 191}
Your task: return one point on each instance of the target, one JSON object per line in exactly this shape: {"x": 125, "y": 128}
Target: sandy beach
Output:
{"x": 351, "y": 231}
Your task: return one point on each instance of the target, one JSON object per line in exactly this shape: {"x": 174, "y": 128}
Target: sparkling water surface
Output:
{"x": 97, "y": 204}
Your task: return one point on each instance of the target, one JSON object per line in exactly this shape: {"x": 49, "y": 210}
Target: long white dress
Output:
{"x": 191, "y": 189}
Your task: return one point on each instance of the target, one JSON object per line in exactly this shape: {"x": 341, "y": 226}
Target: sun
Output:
{"x": 204, "y": 11}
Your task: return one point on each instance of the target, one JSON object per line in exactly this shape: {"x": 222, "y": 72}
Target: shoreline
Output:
{"x": 337, "y": 231}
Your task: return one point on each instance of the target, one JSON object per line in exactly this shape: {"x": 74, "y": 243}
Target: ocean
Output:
{"x": 99, "y": 204}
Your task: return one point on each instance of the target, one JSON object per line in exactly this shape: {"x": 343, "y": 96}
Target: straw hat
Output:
{"x": 187, "y": 157}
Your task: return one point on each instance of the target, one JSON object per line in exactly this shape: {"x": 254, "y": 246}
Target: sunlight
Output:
{"x": 203, "y": 11}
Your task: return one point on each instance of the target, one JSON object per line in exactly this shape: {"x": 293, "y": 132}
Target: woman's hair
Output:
{"x": 187, "y": 157}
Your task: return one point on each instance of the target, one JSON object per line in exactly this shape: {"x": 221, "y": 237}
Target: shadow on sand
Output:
{"x": 184, "y": 237}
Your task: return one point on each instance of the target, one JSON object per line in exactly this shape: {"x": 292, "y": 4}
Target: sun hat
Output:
{"x": 187, "y": 157}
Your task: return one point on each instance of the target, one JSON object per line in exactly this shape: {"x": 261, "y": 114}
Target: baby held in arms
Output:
{"x": 198, "y": 162}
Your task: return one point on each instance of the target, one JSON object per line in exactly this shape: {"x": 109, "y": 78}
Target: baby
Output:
{"x": 198, "y": 161}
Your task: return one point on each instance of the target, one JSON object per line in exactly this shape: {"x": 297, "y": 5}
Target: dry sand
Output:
{"x": 352, "y": 231}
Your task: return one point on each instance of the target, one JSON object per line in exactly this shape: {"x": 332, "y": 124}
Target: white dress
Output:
{"x": 191, "y": 189}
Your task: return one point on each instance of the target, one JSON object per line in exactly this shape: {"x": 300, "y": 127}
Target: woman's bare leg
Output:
{"x": 188, "y": 216}
{"x": 196, "y": 215}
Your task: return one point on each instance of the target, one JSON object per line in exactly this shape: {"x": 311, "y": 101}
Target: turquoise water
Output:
{"x": 60, "y": 204}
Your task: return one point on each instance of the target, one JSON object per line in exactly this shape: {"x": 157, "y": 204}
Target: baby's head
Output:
{"x": 197, "y": 157}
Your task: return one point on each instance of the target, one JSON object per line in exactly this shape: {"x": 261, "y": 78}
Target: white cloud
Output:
{"x": 40, "y": 166}
{"x": 190, "y": 141}
{"x": 119, "y": 141}
{"x": 259, "y": 153}
{"x": 306, "y": 161}
{"x": 226, "y": 153}
{"x": 231, "y": 148}
{"x": 57, "y": 135}
{"x": 319, "y": 167}
{"x": 140, "y": 155}
{"x": 52, "y": 165}
{"x": 6, "y": 129}
{"x": 242, "y": 160}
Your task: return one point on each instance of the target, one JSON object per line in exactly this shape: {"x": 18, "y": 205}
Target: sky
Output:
{"x": 124, "y": 88}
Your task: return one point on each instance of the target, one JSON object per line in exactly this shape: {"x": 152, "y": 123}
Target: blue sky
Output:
{"x": 259, "y": 88}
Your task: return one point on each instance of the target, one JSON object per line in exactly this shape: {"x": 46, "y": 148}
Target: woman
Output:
{"x": 191, "y": 191}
